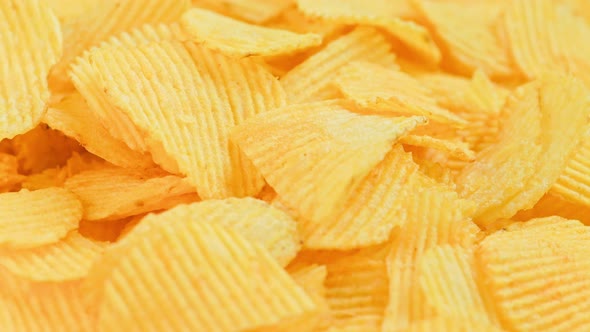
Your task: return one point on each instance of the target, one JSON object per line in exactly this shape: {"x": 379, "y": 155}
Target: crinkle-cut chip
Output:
{"x": 537, "y": 274}
{"x": 235, "y": 285}
{"x": 371, "y": 211}
{"x": 43, "y": 148}
{"x": 315, "y": 154}
{"x": 457, "y": 149}
{"x": 502, "y": 169}
{"x": 191, "y": 126}
{"x": 433, "y": 169}
{"x": 294, "y": 20}
{"x": 9, "y": 176}
{"x": 254, "y": 11}
{"x": 451, "y": 286}
{"x": 554, "y": 205}
{"x": 68, "y": 259}
{"x": 256, "y": 220}
{"x": 109, "y": 18}
{"x": 318, "y": 71}
{"x": 73, "y": 117}
{"x": 108, "y": 231}
{"x": 51, "y": 177}
{"x": 235, "y": 38}
{"x": 438, "y": 216}
{"x": 379, "y": 13}
{"x": 148, "y": 33}
{"x": 453, "y": 323}
{"x": 565, "y": 107}
{"x": 114, "y": 193}
{"x": 573, "y": 183}
{"x": 468, "y": 37}
{"x": 30, "y": 43}
{"x": 68, "y": 10}
{"x": 29, "y": 219}
{"x": 392, "y": 91}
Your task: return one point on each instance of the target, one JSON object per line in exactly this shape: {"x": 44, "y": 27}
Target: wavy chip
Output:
{"x": 314, "y": 74}
{"x": 260, "y": 293}
{"x": 457, "y": 149}
{"x": 190, "y": 130}
{"x": 536, "y": 273}
{"x": 573, "y": 183}
{"x": 242, "y": 39}
{"x": 29, "y": 28}
{"x": 30, "y": 219}
{"x": 314, "y": 155}
{"x": 9, "y": 176}
{"x": 455, "y": 324}
{"x": 114, "y": 193}
{"x": 554, "y": 205}
{"x": 254, "y": 11}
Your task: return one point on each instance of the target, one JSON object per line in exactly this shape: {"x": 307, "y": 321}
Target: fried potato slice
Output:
{"x": 74, "y": 118}
{"x": 455, "y": 324}
{"x": 114, "y": 193}
{"x": 69, "y": 10}
{"x": 384, "y": 14}
{"x": 573, "y": 183}
{"x": 29, "y": 219}
{"x": 314, "y": 74}
{"x": 254, "y": 11}
{"x": 236, "y": 284}
{"x": 9, "y": 176}
{"x": 242, "y": 39}
{"x": 314, "y": 155}
{"x": 189, "y": 129}
{"x": 457, "y": 149}
{"x": 30, "y": 43}
{"x": 554, "y": 205}
{"x": 537, "y": 274}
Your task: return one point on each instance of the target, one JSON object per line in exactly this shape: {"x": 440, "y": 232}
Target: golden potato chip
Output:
{"x": 51, "y": 177}
{"x": 9, "y": 176}
{"x": 68, "y": 259}
{"x": 555, "y": 205}
{"x": 108, "y": 231}
{"x": 29, "y": 219}
{"x": 242, "y": 39}
{"x": 294, "y": 20}
{"x": 315, "y": 73}
{"x": 391, "y": 91}
{"x": 467, "y": 34}
{"x": 69, "y": 10}
{"x": 114, "y": 193}
{"x": 455, "y": 324}
{"x": 30, "y": 43}
{"x": 236, "y": 285}
{"x": 379, "y": 13}
{"x": 73, "y": 117}
{"x": 191, "y": 127}
{"x": 573, "y": 183}
{"x": 255, "y": 11}
{"x": 537, "y": 274}
{"x": 314, "y": 155}
{"x": 457, "y": 149}
{"x": 255, "y": 220}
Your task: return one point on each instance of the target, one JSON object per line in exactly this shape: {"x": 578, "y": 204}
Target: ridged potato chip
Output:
{"x": 69, "y": 10}
{"x": 573, "y": 183}
{"x": 29, "y": 219}
{"x": 114, "y": 193}
{"x": 235, "y": 284}
{"x": 457, "y": 149}
{"x": 255, "y": 11}
{"x": 451, "y": 323}
{"x": 9, "y": 176}
{"x": 314, "y": 155}
{"x": 554, "y": 205}
{"x": 314, "y": 74}
{"x": 28, "y": 30}
{"x": 202, "y": 26}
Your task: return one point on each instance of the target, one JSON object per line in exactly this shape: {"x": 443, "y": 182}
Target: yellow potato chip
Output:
{"x": 9, "y": 176}
{"x": 457, "y": 149}
{"x": 314, "y": 155}
{"x": 294, "y": 20}
{"x": 555, "y": 205}
{"x": 234, "y": 284}
{"x": 242, "y": 39}
{"x": 255, "y": 11}
{"x": 73, "y": 117}
{"x": 193, "y": 124}
{"x": 379, "y": 13}
{"x": 114, "y": 193}
{"x": 68, "y": 259}
{"x": 467, "y": 35}
{"x": 455, "y": 324}
{"x": 30, "y": 43}
{"x": 573, "y": 183}
{"x": 30, "y": 219}
{"x": 316, "y": 72}
{"x": 537, "y": 274}
{"x": 390, "y": 91}
{"x": 69, "y": 10}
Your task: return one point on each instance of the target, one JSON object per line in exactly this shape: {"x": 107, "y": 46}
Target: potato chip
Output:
{"x": 467, "y": 34}
{"x": 379, "y": 13}
{"x": 555, "y": 205}
{"x": 115, "y": 193}
{"x": 29, "y": 219}
{"x": 260, "y": 293}
{"x": 196, "y": 134}
{"x": 315, "y": 73}
{"x": 314, "y": 155}
{"x": 537, "y": 274}
{"x": 51, "y": 177}
{"x": 73, "y": 117}
{"x": 9, "y": 176}
{"x": 455, "y": 324}
{"x": 295, "y": 21}
{"x": 573, "y": 183}
{"x": 69, "y": 10}
{"x": 28, "y": 30}
{"x": 68, "y": 259}
{"x": 390, "y": 91}
{"x": 457, "y": 149}
{"x": 255, "y": 11}
{"x": 203, "y": 27}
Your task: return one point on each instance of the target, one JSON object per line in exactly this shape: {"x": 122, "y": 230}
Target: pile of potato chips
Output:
{"x": 294, "y": 165}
